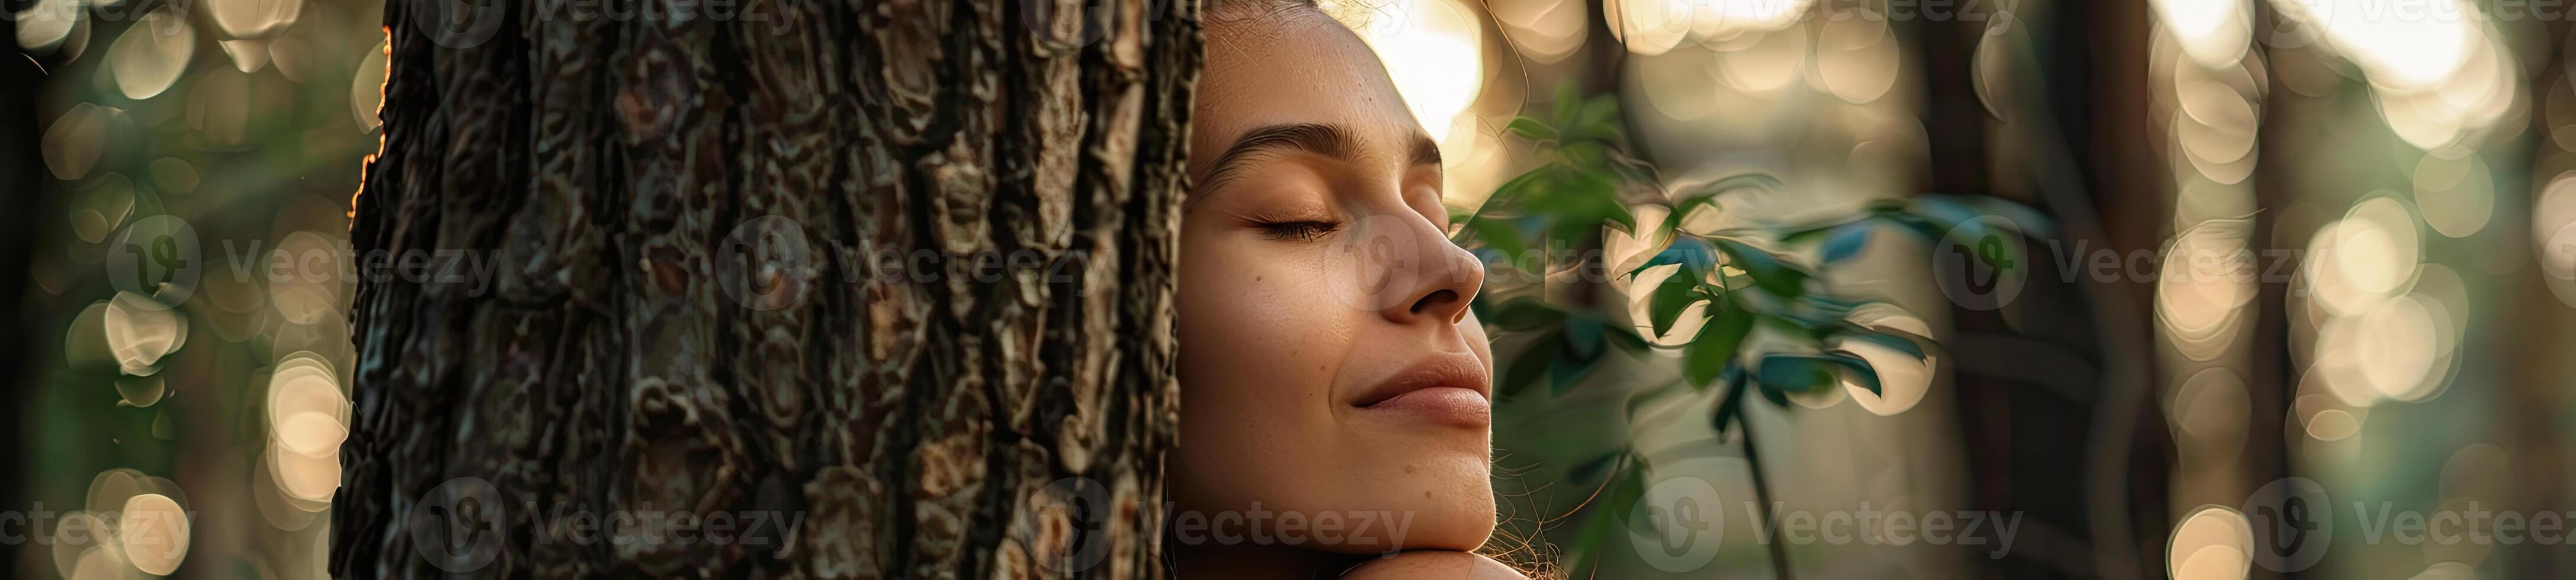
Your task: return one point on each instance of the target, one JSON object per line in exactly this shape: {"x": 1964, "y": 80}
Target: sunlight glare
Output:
{"x": 1432, "y": 50}
{"x": 2413, "y": 48}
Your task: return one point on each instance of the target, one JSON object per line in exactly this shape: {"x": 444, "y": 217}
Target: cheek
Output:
{"x": 1474, "y": 331}
{"x": 1258, "y": 356}
{"x": 1253, "y": 320}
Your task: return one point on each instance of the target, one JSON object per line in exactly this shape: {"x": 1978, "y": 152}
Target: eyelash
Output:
{"x": 1304, "y": 231}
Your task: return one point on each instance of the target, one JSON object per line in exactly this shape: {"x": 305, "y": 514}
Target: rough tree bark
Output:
{"x": 913, "y": 412}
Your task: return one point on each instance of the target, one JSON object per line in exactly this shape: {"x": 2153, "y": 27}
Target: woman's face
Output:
{"x": 1329, "y": 365}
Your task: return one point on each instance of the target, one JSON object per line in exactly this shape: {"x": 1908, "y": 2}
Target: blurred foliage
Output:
{"x": 1753, "y": 279}
{"x": 200, "y": 158}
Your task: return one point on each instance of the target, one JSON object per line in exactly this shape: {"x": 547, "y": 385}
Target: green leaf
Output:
{"x": 1633, "y": 169}
{"x": 1839, "y": 305}
{"x": 1795, "y": 373}
{"x": 2030, "y": 221}
{"x": 1930, "y": 229}
{"x": 1511, "y": 194}
{"x": 1579, "y": 156}
{"x": 1521, "y": 187}
{"x": 1799, "y": 373}
{"x": 1859, "y": 370}
{"x": 1706, "y": 195}
{"x": 1608, "y": 512}
{"x": 1568, "y": 101}
{"x": 1531, "y": 129}
{"x": 1846, "y": 241}
{"x": 1670, "y": 298}
{"x": 1762, "y": 181}
{"x": 1531, "y": 366}
{"x": 1594, "y": 198}
{"x": 1890, "y": 339}
{"x": 1599, "y": 119}
{"x": 1499, "y": 234}
{"x": 1923, "y": 344}
{"x": 1947, "y": 210}
{"x": 1614, "y": 212}
{"x": 1583, "y": 331}
{"x": 1622, "y": 497}
{"x": 1568, "y": 372}
{"x": 1778, "y": 398}
{"x": 1682, "y": 211}
{"x": 1690, "y": 251}
{"x": 1707, "y": 355}
{"x": 1787, "y": 323}
{"x": 1525, "y": 313}
{"x": 1771, "y": 273}
{"x": 1628, "y": 340}
{"x": 1800, "y": 234}
{"x": 1578, "y": 204}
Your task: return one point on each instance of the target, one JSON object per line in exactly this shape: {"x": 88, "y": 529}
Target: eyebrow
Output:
{"x": 1324, "y": 139}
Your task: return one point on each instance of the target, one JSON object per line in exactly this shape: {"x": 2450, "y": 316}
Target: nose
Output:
{"x": 1442, "y": 279}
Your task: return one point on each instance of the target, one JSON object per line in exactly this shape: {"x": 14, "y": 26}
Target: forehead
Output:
{"x": 1296, "y": 66}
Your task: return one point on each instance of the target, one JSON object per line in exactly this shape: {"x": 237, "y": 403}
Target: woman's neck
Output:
{"x": 1259, "y": 562}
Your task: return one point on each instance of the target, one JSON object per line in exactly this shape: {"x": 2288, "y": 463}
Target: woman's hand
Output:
{"x": 1434, "y": 565}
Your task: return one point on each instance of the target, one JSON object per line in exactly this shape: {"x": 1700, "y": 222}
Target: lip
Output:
{"x": 1446, "y": 388}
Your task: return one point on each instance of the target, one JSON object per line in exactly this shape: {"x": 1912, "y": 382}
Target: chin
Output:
{"x": 1443, "y": 504}
{"x": 1459, "y": 528}
{"x": 1459, "y": 512}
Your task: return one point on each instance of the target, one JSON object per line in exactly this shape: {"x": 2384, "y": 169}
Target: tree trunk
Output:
{"x": 886, "y": 284}
{"x": 22, "y": 169}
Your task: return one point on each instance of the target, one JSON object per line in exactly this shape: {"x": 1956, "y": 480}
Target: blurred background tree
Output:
{"x": 2382, "y": 201}
{"x": 2131, "y": 411}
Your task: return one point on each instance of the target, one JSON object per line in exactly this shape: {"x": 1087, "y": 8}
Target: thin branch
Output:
{"x": 1762, "y": 494}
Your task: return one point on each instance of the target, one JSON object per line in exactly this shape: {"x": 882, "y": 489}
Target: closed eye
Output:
{"x": 1304, "y": 231}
